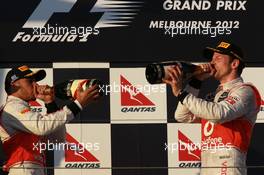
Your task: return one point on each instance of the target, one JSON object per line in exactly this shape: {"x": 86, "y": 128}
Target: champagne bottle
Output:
{"x": 67, "y": 89}
{"x": 155, "y": 72}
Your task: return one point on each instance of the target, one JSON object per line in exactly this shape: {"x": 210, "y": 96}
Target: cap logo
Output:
{"x": 224, "y": 45}
{"x": 23, "y": 68}
{"x": 14, "y": 78}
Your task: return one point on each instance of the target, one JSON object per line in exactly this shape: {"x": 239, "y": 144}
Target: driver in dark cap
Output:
{"x": 21, "y": 129}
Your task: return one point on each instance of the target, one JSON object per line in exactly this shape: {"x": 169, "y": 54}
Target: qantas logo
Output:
{"x": 80, "y": 154}
{"x": 191, "y": 151}
{"x": 131, "y": 96}
{"x": 79, "y": 157}
{"x": 116, "y": 13}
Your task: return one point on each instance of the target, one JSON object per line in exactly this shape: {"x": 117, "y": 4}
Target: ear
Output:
{"x": 16, "y": 85}
{"x": 235, "y": 63}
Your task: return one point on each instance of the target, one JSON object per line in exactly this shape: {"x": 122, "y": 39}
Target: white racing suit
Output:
{"x": 22, "y": 131}
{"x": 227, "y": 118}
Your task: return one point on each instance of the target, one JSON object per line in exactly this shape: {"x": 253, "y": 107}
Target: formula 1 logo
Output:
{"x": 115, "y": 13}
{"x": 131, "y": 96}
{"x": 46, "y": 9}
{"x": 188, "y": 151}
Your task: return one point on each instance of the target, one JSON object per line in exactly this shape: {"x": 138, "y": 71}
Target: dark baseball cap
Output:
{"x": 225, "y": 48}
{"x": 22, "y": 72}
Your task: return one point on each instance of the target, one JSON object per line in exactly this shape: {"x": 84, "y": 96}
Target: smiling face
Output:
{"x": 224, "y": 65}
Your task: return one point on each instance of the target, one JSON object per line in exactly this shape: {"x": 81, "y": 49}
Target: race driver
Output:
{"x": 21, "y": 128}
{"x": 227, "y": 116}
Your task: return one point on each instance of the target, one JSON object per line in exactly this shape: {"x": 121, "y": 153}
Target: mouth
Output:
{"x": 214, "y": 69}
{"x": 35, "y": 90}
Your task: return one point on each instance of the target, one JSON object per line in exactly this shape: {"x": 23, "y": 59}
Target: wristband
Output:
{"x": 51, "y": 107}
{"x": 74, "y": 108}
{"x": 78, "y": 104}
{"x": 195, "y": 83}
{"x": 182, "y": 96}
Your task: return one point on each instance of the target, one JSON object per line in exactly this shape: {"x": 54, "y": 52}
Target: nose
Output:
{"x": 213, "y": 63}
{"x": 213, "y": 59}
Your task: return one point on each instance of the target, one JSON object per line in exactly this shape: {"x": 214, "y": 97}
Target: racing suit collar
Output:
{"x": 230, "y": 84}
{"x": 13, "y": 98}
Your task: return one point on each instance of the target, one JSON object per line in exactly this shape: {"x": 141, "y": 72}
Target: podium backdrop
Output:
{"x": 113, "y": 40}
